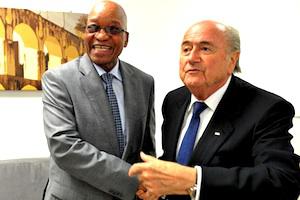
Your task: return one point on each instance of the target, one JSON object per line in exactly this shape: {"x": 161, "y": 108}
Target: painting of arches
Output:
{"x": 53, "y": 52}
{"x": 34, "y": 41}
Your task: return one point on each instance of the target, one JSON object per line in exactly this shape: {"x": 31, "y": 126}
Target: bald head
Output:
{"x": 107, "y": 9}
{"x": 209, "y": 24}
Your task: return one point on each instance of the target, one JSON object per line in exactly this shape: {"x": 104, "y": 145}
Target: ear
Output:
{"x": 234, "y": 57}
{"x": 126, "y": 39}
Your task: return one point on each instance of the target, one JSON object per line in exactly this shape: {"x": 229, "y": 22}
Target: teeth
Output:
{"x": 101, "y": 47}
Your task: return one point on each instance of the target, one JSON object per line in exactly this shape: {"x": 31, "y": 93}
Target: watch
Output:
{"x": 192, "y": 191}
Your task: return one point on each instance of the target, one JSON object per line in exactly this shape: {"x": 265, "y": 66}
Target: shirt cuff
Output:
{"x": 198, "y": 182}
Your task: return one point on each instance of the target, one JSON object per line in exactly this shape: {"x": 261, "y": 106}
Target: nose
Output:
{"x": 102, "y": 35}
{"x": 194, "y": 56}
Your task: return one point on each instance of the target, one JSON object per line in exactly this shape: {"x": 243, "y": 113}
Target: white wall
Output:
{"x": 270, "y": 40}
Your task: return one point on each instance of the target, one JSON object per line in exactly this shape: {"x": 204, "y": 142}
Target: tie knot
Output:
{"x": 198, "y": 107}
{"x": 107, "y": 78}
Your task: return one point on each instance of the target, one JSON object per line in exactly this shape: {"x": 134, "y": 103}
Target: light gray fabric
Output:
{"x": 23, "y": 179}
{"x": 85, "y": 159}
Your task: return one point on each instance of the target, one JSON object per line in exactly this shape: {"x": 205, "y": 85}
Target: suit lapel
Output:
{"x": 133, "y": 110}
{"x": 182, "y": 100}
{"x": 129, "y": 105}
{"x": 217, "y": 132}
{"x": 93, "y": 88}
{"x": 219, "y": 128}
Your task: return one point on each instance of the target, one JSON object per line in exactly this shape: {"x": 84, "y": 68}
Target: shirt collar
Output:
{"x": 213, "y": 100}
{"x": 115, "y": 70}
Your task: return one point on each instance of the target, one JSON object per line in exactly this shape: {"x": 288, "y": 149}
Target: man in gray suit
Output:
{"x": 82, "y": 125}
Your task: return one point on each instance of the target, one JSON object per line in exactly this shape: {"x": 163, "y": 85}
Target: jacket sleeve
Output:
{"x": 274, "y": 173}
{"x": 74, "y": 155}
{"x": 149, "y": 140}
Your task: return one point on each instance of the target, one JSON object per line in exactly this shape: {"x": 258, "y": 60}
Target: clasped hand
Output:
{"x": 158, "y": 178}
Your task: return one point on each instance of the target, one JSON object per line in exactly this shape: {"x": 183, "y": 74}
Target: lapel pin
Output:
{"x": 217, "y": 133}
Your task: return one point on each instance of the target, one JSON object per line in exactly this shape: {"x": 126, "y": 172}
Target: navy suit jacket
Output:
{"x": 252, "y": 158}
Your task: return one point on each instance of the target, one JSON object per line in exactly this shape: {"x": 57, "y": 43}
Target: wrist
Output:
{"x": 192, "y": 186}
{"x": 193, "y": 191}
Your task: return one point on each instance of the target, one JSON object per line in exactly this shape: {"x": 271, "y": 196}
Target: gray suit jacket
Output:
{"x": 85, "y": 163}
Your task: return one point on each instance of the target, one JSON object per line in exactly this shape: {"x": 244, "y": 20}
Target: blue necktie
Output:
{"x": 107, "y": 78}
{"x": 189, "y": 138}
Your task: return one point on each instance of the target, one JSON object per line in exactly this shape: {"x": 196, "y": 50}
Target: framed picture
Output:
{"x": 33, "y": 42}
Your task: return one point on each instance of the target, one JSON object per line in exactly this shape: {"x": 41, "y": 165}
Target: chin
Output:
{"x": 101, "y": 61}
{"x": 194, "y": 80}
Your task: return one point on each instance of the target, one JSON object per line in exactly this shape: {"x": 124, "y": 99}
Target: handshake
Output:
{"x": 158, "y": 178}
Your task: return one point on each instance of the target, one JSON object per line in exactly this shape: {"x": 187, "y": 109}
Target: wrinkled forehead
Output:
{"x": 205, "y": 32}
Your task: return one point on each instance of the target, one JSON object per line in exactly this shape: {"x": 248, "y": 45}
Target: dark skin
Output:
{"x": 104, "y": 48}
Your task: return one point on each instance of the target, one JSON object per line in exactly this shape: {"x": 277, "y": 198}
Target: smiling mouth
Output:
{"x": 101, "y": 47}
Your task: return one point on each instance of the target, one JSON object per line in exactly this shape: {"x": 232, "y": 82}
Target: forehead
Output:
{"x": 205, "y": 33}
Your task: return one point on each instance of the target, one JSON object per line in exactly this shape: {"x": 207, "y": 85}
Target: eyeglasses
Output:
{"x": 112, "y": 30}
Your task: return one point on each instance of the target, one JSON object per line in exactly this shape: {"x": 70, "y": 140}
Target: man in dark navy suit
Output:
{"x": 241, "y": 148}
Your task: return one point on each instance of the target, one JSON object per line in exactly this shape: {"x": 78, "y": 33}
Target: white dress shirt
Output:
{"x": 212, "y": 102}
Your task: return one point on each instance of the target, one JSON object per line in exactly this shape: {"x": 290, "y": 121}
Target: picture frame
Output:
{"x": 35, "y": 41}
